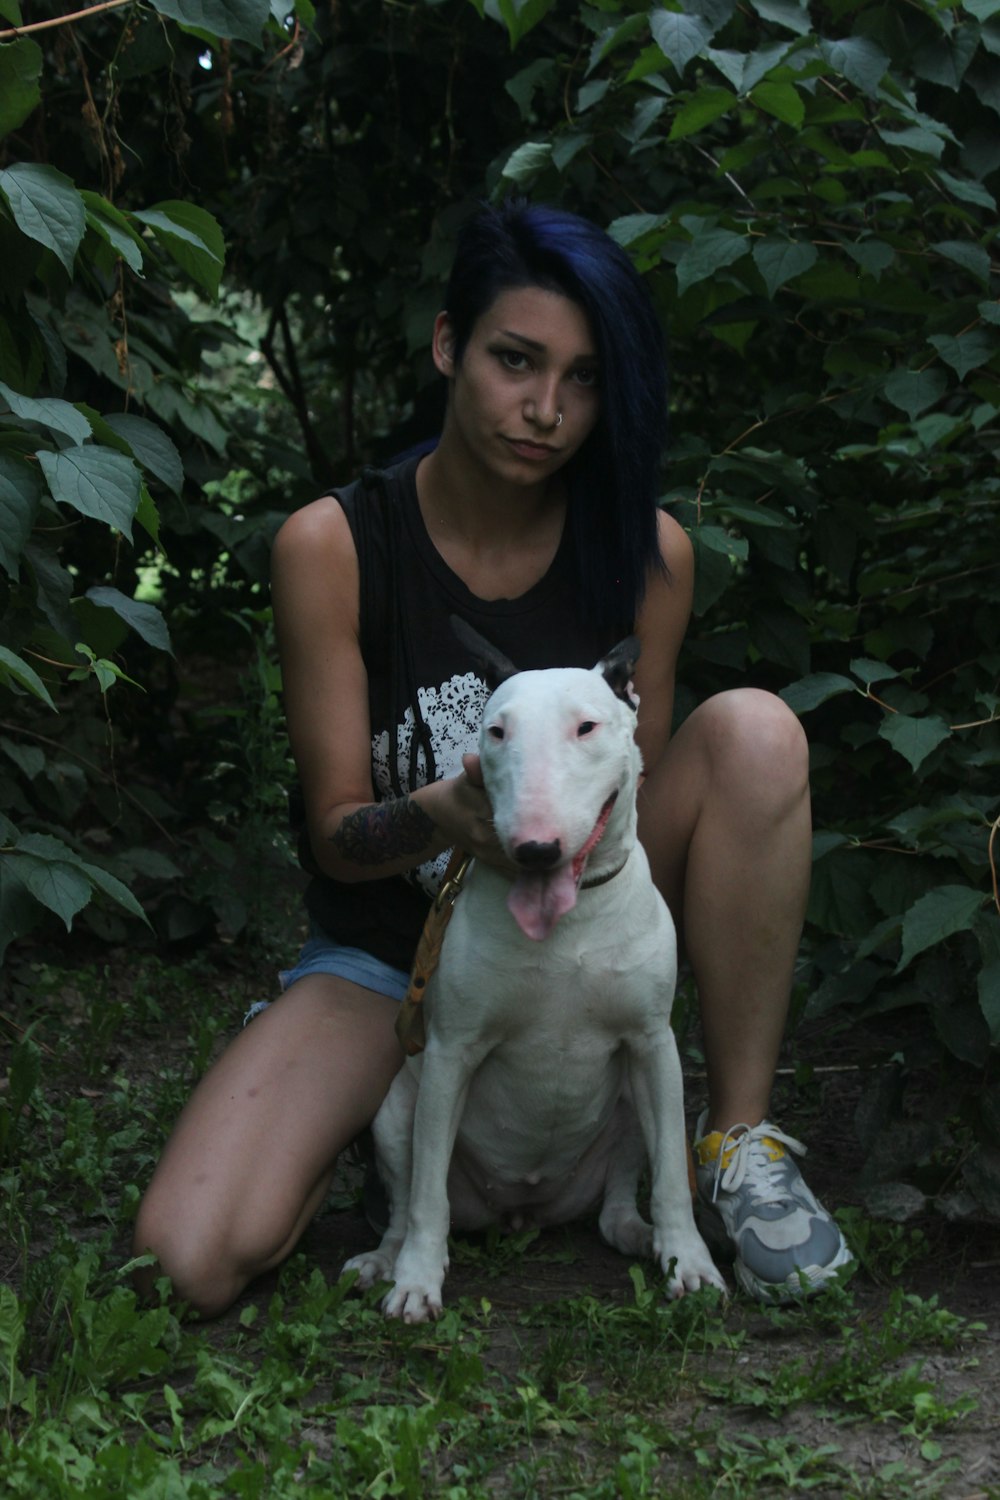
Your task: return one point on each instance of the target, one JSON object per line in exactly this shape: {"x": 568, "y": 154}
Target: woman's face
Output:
{"x": 530, "y": 361}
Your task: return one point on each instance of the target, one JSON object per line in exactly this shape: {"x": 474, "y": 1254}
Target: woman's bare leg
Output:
{"x": 252, "y": 1155}
{"x": 725, "y": 820}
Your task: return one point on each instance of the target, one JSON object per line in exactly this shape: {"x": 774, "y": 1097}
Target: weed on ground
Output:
{"x": 557, "y": 1369}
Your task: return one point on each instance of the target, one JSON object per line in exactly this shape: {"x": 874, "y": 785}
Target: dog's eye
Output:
{"x": 586, "y": 727}
{"x": 495, "y": 732}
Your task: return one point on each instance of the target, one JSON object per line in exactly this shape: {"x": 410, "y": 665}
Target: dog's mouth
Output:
{"x": 539, "y": 898}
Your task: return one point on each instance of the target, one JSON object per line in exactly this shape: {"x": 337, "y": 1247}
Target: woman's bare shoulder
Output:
{"x": 675, "y": 544}
{"x": 318, "y": 528}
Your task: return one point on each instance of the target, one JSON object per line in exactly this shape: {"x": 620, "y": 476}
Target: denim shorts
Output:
{"x": 322, "y": 955}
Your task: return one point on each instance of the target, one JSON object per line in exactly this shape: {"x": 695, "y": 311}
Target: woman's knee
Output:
{"x": 755, "y": 743}
{"x": 202, "y": 1275}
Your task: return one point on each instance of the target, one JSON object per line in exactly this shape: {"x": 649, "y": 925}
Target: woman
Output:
{"x": 535, "y": 518}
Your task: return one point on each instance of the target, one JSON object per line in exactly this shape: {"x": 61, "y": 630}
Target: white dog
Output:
{"x": 548, "y": 1018}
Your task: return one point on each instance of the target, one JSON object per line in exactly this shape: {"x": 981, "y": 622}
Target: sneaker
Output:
{"x": 754, "y": 1206}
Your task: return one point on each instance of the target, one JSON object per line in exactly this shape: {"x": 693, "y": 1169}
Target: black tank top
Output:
{"x": 425, "y": 697}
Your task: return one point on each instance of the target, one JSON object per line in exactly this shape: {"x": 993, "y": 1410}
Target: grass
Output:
{"x": 305, "y": 1389}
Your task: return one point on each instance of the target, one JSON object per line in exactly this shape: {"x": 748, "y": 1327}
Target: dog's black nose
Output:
{"x": 536, "y": 856}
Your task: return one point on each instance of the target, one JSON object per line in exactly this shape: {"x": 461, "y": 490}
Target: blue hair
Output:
{"x": 613, "y": 480}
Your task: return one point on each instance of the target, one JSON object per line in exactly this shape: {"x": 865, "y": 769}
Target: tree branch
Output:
{"x": 77, "y": 15}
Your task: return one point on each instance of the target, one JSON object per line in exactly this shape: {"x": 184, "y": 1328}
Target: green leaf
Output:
{"x": 631, "y": 227}
{"x": 914, "y": 738}
{"x": 29, "y": 759}
{"x": 752, "y": 515}
{"x": 870, "y": 671}
{"x": 61, "y": 887}
{"x": 792, "y": 14}
{"x": 20, "y": 69}
{"x": 873, "y": 256}
{"x": 524, "y": 164}
{"x": 12, "y": 666}
{"x": 913, "y": 391}
{"x": 523, "y": 85}
{"x": 148, "y": 517}
{"x": 59, "y": 416}
{"x": 113, "y": 227}
{"x": 809, "y": 692}
{"x": 716, "y": 554}
{"x": 780, "y": 261}
{"x": 710, "y": 251}
{"x": 945, "y": 60}
{"x": 700, "y": 110}
{"x": 782, "y": 637}
{"x": 938, "y": 915}
{"x": 972, "y": 258}
{"x": 915, "y": 138}
{"x": 245, "y": 19}
{"x": 680, "y": 37}
{"x": 145, "y": 619}
{"x": 95, "y": 481}
{"x": 522, "y": 16}
{"x": 192, "y": 237}
{"x": 46, "y": 207}
{"x": 965, "y": 189}
{"x": 151, "y": 446}
{"x": 782, "y": 100}
{"x": 113, "y": 887}
{"x": 967, "y": 352}
{"x": 745, "y": 70}
{"x": 20, "y": 492}
{"x": 857, "y": 59}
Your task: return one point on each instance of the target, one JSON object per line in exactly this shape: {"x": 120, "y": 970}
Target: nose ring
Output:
{"x": 559, "y": 420}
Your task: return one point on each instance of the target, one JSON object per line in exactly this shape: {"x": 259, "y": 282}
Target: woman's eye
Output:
{"x": 585, "y": 728}
{"x": 513, "y": 359}
{"x": 495, "y": 732}
{"x": 586, "y": 375}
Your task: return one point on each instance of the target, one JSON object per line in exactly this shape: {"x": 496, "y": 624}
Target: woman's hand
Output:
{"x": 462, "y": 813}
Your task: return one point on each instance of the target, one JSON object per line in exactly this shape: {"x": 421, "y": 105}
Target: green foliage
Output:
{"x": 812, "y": 195}
{"x": 304, "y": 1389}
{"x": 108, "y": 437}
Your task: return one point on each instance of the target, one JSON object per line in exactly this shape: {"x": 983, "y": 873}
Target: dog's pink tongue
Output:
{"x": 537, "y": 901}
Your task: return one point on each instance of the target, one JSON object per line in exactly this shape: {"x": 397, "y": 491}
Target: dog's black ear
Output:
{"x": 495, "y": 667}
{"x": 618, "y": 666}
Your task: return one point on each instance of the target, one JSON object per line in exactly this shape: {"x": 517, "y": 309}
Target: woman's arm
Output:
{"x": 661, "y": 625}
{"x": 315, "y": 593}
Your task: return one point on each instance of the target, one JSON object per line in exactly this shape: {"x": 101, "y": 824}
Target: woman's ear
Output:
{"x": 443, "y": 345}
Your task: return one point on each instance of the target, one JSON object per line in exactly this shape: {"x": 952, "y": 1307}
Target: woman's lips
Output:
{"x": 524, "y": 448}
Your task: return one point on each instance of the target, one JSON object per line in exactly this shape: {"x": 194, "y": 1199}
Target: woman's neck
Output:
{"x": 499, "y": 538}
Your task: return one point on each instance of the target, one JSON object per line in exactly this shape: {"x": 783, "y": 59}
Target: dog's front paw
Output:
{"x": 372, "y": 1267}
{"x": 689, "y": 1267}
{"x": 414, "y": 1304}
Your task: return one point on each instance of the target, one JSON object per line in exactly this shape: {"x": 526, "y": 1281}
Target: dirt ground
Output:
{"x": 960, "y": 1266}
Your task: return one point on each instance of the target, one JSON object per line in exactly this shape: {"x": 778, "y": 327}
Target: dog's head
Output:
{"x": 560, "y": 765}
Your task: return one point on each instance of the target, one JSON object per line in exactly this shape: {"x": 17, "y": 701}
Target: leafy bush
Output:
{"x": 112, "y": 457}
{"x": 816, "y": 212}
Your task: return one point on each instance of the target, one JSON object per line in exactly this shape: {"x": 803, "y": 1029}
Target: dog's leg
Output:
{"x": 620, "y": 1223}
{"x": 657, "y": 1090}
{"x": 423, "y": 1259}
{"x": 393, "y": 1132}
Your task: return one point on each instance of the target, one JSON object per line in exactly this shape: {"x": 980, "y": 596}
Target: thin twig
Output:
{"x": 77, "y": 15}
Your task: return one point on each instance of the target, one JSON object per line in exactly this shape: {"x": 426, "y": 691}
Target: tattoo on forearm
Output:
{"x": 383, "y": 832}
